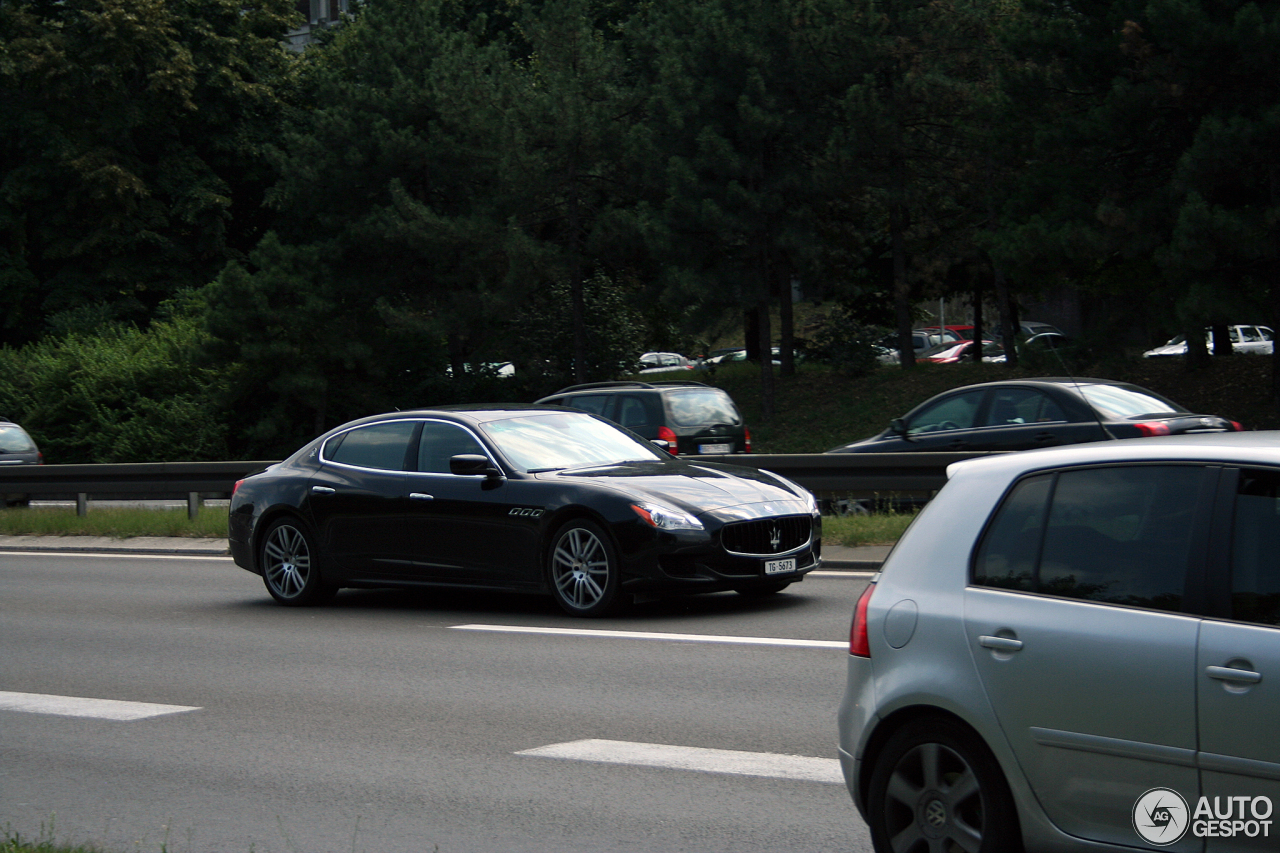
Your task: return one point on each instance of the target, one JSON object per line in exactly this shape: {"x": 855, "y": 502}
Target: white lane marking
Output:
{"x": 75, "y": 706}
{"x": 770, "y": 765}
{"x": 117, "y": 555}
{"x": 649, "y": 635}
{"x": 857, "y": 574}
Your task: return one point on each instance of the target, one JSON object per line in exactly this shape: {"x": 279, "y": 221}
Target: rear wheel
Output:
{"x": 583, "y": 569}
{"x": 936, "y": 788}
{"x": 291, "y": 565}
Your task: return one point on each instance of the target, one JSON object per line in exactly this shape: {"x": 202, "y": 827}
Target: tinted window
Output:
{"x": 441, "y": 441}
{"x": 955, "y": 412}
{"x": 1255, "y": 550}
{"x": 384, "y": 446}
{"x": 633, "y": 413}
{"x": 1022, "y": 406}
{"x": 1119, "y": 535}
{"x": 593, "y": 403}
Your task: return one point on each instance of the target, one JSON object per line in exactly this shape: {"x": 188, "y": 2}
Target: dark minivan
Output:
{"x": 692, "y": 417}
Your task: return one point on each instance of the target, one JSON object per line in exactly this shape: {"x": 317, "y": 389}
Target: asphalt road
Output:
{"x": 412, "y": 722}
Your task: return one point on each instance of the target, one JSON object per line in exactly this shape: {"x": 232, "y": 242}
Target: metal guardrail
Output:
{"x": 192, "y": 481}
{"x": 825, "y": 474}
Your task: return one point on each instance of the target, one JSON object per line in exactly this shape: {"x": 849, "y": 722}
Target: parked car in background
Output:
{"x": 958, "y": 351}
{"x": 694, "y": 419}
{"x": 1076, "y": 649}
{"x": 961, "y": 332}
{"x": 1022, "y": 414}
{"x": 665, "y": 362}
{"x": 1252, "y": 340}
{"x": 17, "y": 448}
{"x": 534, "y": 499}
{"x": 922, "y": 340}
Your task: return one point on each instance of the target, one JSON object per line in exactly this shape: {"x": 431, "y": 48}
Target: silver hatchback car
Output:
{"x": 1077, "y": 649}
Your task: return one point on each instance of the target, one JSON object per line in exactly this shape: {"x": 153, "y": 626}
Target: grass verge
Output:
{"x": 113, "y": 522}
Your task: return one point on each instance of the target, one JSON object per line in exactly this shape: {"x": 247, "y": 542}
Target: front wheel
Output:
{"x": 291, "y": 565}
{"x": 936, "y": 788}
{"x": 583, "y": 569}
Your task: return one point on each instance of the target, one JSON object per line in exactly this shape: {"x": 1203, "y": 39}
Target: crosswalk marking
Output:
{"x": 76, "y": 706}
{"x": 649, "y": 635}
{"x": 766, "y": 764}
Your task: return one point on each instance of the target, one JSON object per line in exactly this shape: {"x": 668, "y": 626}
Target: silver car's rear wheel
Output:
{"x": 290, "y": 565}
{"x": 936, "y": 788}
{"x": 583, "y": 569}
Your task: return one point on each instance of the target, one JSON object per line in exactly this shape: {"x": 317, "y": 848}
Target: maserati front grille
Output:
{"x": 767, "y": 536}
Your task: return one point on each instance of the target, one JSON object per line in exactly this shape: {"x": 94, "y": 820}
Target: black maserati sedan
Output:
{"x": 526, "y": 498}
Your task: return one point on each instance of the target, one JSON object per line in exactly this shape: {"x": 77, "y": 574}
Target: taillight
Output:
{"x": 236, "y": 487}
{"x": 859, "y": 645}
{"x": 665, "y": 434}
{"x": 1153, "y": 428}
{"x": 1236, "y": 426}
{"x": 747, "y": 440}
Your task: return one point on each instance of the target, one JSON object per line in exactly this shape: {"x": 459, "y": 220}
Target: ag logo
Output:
{"x": 1161, "y": 817}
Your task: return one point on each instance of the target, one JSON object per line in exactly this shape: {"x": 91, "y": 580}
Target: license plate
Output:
{"x": 715, "y": 448}
{"x": 780, "y": 567}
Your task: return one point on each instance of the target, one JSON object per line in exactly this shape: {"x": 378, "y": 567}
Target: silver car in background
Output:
{"x": 1077, "y": 649}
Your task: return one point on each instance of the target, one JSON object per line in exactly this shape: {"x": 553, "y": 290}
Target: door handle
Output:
{"x": 322, "y": 490}
{"x": 1000, "y": 644}
{"x": 419, "y": 496}
{"x": 1227, "y": 673}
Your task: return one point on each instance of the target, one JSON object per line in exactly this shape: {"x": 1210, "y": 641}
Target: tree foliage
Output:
{"x": 132, "y": 153}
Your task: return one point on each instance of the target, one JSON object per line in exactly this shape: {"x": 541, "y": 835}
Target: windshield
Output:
{"x": 1119, "y": 402}
{"x": 558, "y": 440}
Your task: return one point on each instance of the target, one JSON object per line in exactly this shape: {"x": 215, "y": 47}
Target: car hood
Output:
{"x": 727, "y": 491}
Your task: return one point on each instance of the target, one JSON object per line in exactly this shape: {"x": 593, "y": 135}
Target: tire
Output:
{"x": 936, "y": 788}
{"x": 763, "y": 589}
{"x": 582, "y": 567}
{"x": 291, "y": 567}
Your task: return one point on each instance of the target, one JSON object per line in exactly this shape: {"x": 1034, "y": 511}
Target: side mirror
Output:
{"x": 472, "y": 464}
{"x": 898, "y": 426}
{"x": 661, "y": 443}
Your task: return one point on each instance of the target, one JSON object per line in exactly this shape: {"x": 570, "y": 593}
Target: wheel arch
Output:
{"x": 268, "y": 518}
{"x": 905, "y": 716}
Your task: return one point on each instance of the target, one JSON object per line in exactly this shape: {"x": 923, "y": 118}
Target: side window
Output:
{"x": 1255, "y": 549}
{"x": 1010, "y": 549}
{"x": 384, "y": 446}
{"x": 955, "y": 412}
{"x": 1118, "y": 535}
{"x": 1022, "y": 406}
{"x": 440, "y": 441}
{"x": 593, "y": 403}
{"x": 632, "y": 413}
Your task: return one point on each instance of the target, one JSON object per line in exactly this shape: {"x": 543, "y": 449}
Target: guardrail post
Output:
{"x": 193, "y": 505}
{"x": 82, "y": 504}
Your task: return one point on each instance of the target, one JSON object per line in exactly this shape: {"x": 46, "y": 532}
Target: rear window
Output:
{"x": 14, "y": 440}
{"x": 1119, "y": 402}
{"x": 691, "y": 407}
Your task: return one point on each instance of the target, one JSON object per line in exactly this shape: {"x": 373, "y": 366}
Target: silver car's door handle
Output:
{"x": 1226, "y": 673}
{"x": 322, "y": 490}
{"x": 419, "y": 496}
{"x": 1000, "y": 644}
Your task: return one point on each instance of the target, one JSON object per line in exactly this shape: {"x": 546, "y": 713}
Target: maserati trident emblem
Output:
{"x": 775, "y": 537}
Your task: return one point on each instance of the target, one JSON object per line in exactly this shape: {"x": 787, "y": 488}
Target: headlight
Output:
{"x": 666, "y": 518}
